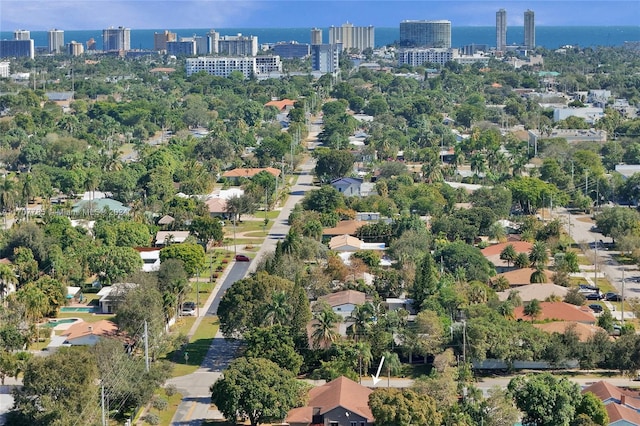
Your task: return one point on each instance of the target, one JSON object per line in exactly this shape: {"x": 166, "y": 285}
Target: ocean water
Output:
{"x": 548, "y": 37}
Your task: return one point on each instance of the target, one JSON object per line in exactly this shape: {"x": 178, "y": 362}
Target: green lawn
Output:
{"x": 196, "y": 349}
{"x": 165, "y": 416}
{"x": 86, "y": 316}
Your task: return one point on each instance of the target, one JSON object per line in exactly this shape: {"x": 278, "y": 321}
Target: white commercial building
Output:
{"x": 223, "y": 66}
{"x": 590, "y": 114}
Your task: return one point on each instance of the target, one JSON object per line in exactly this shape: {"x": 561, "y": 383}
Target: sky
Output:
{"x": 154, "y": 14}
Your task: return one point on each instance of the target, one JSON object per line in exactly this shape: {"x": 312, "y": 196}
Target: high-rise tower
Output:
{"x": 501, "y": 30}
{"x": 22, "y": 35}
{"x": 425, "y": 34}
{"x": 529, "y": 30}
{"x": 56, "y": 41}
{"x": 116, "y": 39}
{"x": 316, "y": 36}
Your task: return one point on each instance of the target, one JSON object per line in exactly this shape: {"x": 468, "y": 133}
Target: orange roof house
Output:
{"x": 522, "y": 276}
{"x": 622, "y": 415}
{"x": 249, "y": 172}
{"x": 558, "y": 311}
{"x": 87, "y": 334}
{"x": 281, "y": 104}
{"x": 609, "y": 393}
{"x": 584, "y": 331}
{"x": 339, "y": 402}
{"x": 492, "y": 253}
{"x": 348, "y": 227}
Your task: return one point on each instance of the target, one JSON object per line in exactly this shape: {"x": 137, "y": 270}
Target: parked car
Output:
{"x": 593, "y": 296}
{"x": 188, "y": 311}
{"x": 612, "y": 297}
{"x": 242, "y": 258}
{"x": 596, "y": 308}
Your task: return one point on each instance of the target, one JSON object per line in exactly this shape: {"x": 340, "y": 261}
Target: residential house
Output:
{"x": 282, "y": 105}
{"x": 217, "y": 207}
{"x": 345, "y": 243}
{"x": 558, "y": 311}
{"x": 111, "y": 295}
{"x": 166, "y": 220}
{"x": 397, "y": 303}
{"x": 99, "y": 206}
{"x": 150, "y": 258}
{"x": 623, "y": 406}
{"x": 583, "y": 331}
{"x": 535, "y": 291}
{"x": 344, "y": 302}
{"x": 235, "y": 175}
{"x": 170, "y": 237}
{"x": 84, "y": 333}
{"x": 341, "y": 402}
{"x": 343, "y": 227}
{"x": 522, "y": 276}
{"x": 347, "y": 186}
{"x": 492, "y": 252}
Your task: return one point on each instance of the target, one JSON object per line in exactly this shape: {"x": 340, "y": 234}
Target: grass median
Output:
{"x": 195, "y": 350}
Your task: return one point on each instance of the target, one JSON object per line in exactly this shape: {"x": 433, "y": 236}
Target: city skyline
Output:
{"x": 151, "y": 14}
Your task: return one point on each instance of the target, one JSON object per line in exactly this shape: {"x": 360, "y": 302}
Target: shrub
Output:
{"x": 170, "y": 390}
{"x": 225, "y": 261}
{"x": 159, "y": 403}
{"x": 152, "y": 419}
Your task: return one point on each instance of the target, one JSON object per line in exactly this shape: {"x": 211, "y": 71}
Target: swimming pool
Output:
{"x": 86, "y": 309}
{"x": 56, "y": 322}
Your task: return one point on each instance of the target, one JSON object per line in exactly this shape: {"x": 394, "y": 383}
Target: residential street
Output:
{"x": 195, "y": 406}
{"x": 579, "y": 227}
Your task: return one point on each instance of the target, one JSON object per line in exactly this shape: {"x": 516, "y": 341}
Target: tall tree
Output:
{"x": 426, "y": 281}
{"x": 256, "y": 389}
{"x": 324, "y": 328}
{"x": 395, "y": 407}
{"x": 545, "y": 399}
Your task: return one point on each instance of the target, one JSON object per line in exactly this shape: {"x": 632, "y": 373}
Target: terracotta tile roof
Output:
{"x": 519, "y": 277}
{"x": 584, "y": 331}
{"x": 340, "y": 241}
{"x": 343, "y": 297}
{"x": 519, "y": 246}
{"x": 535, "y": 291}
{"x": 103, "y": 328}
{"x": 250, "y": 172}
{"x": 606, "y": 391}
{"x": 341, "y": 392}
{"x": 558, "y": 311}
{"x": 344, "y": 227}
{"x": 619, "y": 412}
{"x": 282, "y": 104}
{"x": 146, "y": 249}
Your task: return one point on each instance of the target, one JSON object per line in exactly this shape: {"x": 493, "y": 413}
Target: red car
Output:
{"x": 242, "y": 258}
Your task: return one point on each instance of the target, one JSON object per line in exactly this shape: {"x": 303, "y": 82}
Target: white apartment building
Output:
{"x": 238, "y": 45}
{"x": 359, "y": 38}
{"x": 4, "y": 69}
{"x": 418, "y": 56}
{"x": 223, "y": 66}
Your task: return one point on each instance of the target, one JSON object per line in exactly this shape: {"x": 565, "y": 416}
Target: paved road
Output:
{"x": 195, "y": 406}
{"x": 579, "y": 227}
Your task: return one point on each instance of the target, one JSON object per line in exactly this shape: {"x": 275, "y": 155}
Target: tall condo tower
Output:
{"x": 501, "y": 30}
{"x": 160, "y": 40}
{"x": 56, "y": 41}
{"x": 21, "y": 35}
{"x": 529, "y": 30}
{"x": 359, "y": 38}
{"x": 316, "y": 36}
{"x": 425, "y": 34}
{"x": 116, "y": 39}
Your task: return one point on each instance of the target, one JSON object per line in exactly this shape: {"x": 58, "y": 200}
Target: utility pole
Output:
{"x": 464, "y": 341}
{"x": 622, "y": 303}
{"x": 595, "y": 270}
{"x": 198, "y": 292}
{"x": 102, "y": 405}
{"x": 146, "y": 346}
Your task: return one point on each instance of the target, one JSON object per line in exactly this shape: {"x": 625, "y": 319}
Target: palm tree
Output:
{"x": 7, "y": 278}
{"x": 324, "y": 332}
{"x": 478, "y": 163}
{"x": 533, "y": 309}
{"x": 278, "y": 310}
{"x": 28, "y": 189}
{"x": 364, "y": 357}
{"x": 392, "y": 365}
{"x": 508, "y": 254}
{"x": 35, "y": 302}
{"x": 8, "y": 195}
{"x": 538, "y": 255}
{"x": 361, "y": 317}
